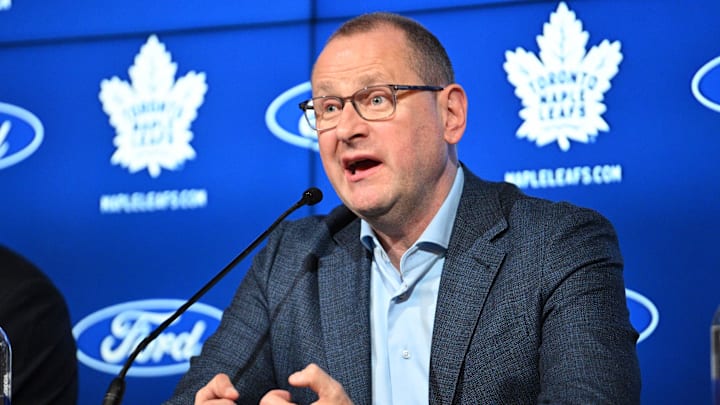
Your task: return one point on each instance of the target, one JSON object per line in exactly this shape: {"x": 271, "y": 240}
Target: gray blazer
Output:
{"x": 531, "y": 309}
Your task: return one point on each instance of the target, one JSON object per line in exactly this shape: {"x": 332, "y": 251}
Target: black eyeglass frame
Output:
{"x": 394, "y": 88}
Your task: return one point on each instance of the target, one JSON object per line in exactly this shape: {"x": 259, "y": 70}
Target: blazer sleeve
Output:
{"x": 271, "y": 327}
{"x": 588, "y": 346}
{"x": 240, "y": 346}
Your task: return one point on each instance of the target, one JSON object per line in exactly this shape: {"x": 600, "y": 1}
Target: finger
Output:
{"x": 316, "y": 379}
{"x": 276, "y": 397}
{"x": 220, "y": 387}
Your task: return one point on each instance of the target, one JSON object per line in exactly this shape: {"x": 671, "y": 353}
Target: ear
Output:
{"x": 455, "y": 111}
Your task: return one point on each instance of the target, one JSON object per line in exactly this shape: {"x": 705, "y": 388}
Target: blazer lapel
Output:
{"x": 471, "y": 265}
{"x": 344, "y": 289}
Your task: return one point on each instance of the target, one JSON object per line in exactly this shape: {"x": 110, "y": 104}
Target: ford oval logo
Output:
{"x": 21, "y": 133}
{"x": 644, "y": 315}
{"x": 106, "y": 338}
{"x": 705, "y": 85}
{"x": 285, "y": 120}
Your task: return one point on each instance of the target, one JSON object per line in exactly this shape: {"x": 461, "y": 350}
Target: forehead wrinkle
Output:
{"x": 327, "y": 87}
{"x": 330, "y": 78}
{"x": 350, "y": 63}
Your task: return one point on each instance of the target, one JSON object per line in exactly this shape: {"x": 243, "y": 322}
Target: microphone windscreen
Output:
{"x": 312, "y": 196}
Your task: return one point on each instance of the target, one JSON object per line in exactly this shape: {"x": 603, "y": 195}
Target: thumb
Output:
{"x": 315, "y": 378}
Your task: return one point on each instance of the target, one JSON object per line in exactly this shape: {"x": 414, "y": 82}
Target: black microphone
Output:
{"x": 115, "y": 391}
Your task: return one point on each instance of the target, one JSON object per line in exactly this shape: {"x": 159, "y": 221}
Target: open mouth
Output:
{"x": 361, "y": 165}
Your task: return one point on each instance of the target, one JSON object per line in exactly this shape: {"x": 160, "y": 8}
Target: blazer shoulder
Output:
{"x": 505, "y": 202}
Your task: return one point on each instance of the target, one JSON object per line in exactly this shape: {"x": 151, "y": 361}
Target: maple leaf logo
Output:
{"x": 152, "y": 116}
{"x": 562, "y": 92}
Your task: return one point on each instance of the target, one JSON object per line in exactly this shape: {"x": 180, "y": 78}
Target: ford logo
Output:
{"x": 705, "y": 85}
{"x": 106, "y": 338}
{"x": 283, "y": 113}
{"x": 21, "y": 133}
{"x": 644, "y": 315}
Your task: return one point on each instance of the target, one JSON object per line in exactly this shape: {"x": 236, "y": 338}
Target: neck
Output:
{"x": 399, "y": 232}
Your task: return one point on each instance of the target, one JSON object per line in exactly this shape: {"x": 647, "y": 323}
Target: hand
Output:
{"x": 329, "y": 391}
{"x": 219, "y": 391}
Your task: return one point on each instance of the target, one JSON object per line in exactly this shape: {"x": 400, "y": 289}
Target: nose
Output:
{"x": 350, "y": 124}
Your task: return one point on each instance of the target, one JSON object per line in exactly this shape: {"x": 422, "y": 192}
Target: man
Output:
{"x": 35, "y": 317}
{"x": 428, "y": 285}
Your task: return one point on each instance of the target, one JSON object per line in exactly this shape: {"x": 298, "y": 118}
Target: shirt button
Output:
{"x": 406, "y": 354}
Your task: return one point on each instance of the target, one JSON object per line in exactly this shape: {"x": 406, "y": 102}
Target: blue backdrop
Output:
{"x": 143, "y": 145}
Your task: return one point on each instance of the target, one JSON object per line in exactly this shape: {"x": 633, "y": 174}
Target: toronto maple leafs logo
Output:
{"x": 562, "y": 92}
{"x": 152, "y": 115}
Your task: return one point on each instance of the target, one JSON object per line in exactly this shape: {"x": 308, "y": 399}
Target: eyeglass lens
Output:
{"x": 372, "y": 103}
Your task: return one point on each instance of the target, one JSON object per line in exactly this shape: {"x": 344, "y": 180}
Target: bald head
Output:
{"x": 426, "y": 55}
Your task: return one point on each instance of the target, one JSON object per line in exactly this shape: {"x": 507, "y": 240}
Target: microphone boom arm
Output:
{"x": 116, "y": 389}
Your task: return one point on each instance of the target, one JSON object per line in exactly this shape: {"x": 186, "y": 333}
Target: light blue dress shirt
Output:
{"x": 402, "y": 307}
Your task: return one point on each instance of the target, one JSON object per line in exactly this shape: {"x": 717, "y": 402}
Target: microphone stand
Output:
{"x": 115, "y": 391}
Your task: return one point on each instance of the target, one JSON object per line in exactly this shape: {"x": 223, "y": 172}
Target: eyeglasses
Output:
{"x": 372, "y": 103}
